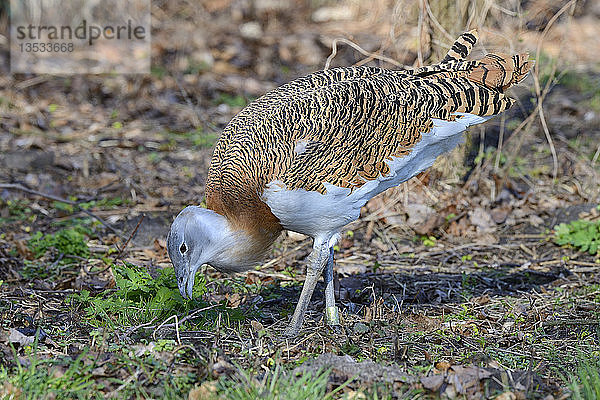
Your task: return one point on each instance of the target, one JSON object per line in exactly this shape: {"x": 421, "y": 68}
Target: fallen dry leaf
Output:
{"x": 207, "y": 390}
{"x": 10, "y": 391}
{"x": 500, "y": 214}
{"x": 482, "y": 220}
{"x": 506, "y": 396}
{"x": 257, "y": 326}
{"x": 443, "y": 366}
{"x": 418, "y": 214}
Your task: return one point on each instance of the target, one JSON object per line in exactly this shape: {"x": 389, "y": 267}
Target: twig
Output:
{"x": 561, "y": 322}
{"x": 174, "y": 316}
{"x": 135, "y": 328}
{"x": 360, "y": 50}
{"x": 164, "y": 324}
{"x": 184, "y": 93}
{"x": 596, "y": 155}
{"x": 272, "y": 275}
{"x": 420, "y": 33}
{"x": 437, "y": 23}
{"x": 32, "y": 82}
{"x": 538, "y": 90}
{"x": 12, "y": 186}
{"x": 130, "y": 237}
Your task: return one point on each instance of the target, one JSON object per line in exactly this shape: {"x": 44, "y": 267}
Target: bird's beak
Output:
{"x": 190, "y": 284}
{"x": 187, "y": 285}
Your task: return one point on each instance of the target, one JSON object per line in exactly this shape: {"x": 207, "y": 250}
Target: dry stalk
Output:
{"x": 361, "y": 51}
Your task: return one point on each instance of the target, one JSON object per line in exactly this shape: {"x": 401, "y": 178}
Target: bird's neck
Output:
{"x": 242, "y": 245}
{"x": 251, "y": 228}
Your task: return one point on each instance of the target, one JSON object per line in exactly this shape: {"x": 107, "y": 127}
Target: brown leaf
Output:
{"x": 481, "y": 300}
{"x": 465, "y": 379}
{"x": 234, "y": 299}
{"x": 432, "y": 223}
{"x": 506, "y": 396}
{"x": 160, "y": 246}
{"x": 482, "y": 220}
{"x": 418, "y": 214}
{"x": 23, "y": 250}
{"x": 346, "y": 243}
{"x": 460, "y": 227}
{"x": 499, "y": 214}
{"x": 9, "y": 391}
{"x": 443, "y": 366}
{"x": 207, "y": 390}
{"x": 257, "y": 326}
{"x": 251, "y": 279}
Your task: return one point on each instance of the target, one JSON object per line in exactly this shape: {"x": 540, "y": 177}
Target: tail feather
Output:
{"x": 461, "y": 47}
{"x": 471, "y": 87}
{"x": 500, "y": 71}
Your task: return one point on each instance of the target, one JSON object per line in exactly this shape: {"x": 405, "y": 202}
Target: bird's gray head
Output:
{"x": 198, "y": 236}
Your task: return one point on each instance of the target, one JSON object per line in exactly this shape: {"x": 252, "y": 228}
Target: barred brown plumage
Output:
{"x": 307, "y": 155}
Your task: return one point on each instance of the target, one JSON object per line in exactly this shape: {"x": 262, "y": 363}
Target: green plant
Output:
{"x": 198, "y": 137}
{"x": 68, "y": 242}
{"x": 232, "y": 100}
{"x": 582, "y": 234}
{"x": 18, "y": 210}
{"x": 585, "y": 384}
{"x": 428, "y": 241}
{"x": 110, "y": 203}
{"x": 140, "y": 298}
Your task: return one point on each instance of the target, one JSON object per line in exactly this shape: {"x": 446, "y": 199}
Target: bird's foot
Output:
{"x": 332, "y": 316}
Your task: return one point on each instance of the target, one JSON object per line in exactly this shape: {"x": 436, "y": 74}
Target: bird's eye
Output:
{"x": 183, "y": 248}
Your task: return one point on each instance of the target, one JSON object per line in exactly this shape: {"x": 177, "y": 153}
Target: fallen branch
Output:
{"x": 563, "y": 322}
{"x": 130, "y": 237}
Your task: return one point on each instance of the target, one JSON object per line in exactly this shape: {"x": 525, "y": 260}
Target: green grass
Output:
{"x": 275, "y": 385}
{"x": 585, "y": 383}
{"x": 61, "y": 378}
{"x": 198, "y": 138}
{"x": 122, "y": 372}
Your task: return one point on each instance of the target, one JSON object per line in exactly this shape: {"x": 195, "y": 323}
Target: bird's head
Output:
{"x": 199, "y": 236}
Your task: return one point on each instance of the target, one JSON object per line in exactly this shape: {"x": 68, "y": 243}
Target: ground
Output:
{"x": 467, "y": 281}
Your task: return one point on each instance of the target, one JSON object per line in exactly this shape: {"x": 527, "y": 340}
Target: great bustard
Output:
{"x": 308, "y": 155}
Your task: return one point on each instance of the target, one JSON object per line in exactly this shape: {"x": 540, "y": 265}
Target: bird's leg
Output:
{"x": 316, "y": 262}
{"x": 331, "y": 311}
